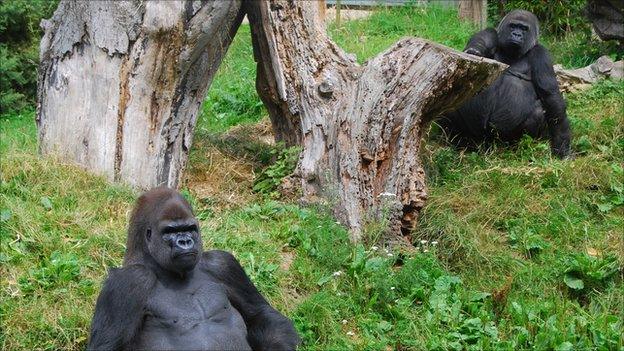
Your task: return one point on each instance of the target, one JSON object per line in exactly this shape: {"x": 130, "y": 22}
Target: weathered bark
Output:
{"x": 474, "y": 11}
{"x": 360, "y": 126}
{"x": 121, "y": 82}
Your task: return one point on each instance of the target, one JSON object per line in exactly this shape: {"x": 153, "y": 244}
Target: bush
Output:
{"x": 19, "y": 54}
{"x": 556, "y": 17}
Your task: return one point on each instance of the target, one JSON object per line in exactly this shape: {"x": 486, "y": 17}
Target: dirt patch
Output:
{"x": 222, "y": 180}
{"x": 261, "y": 132}
{"x": 222, "y": 166}
{"x": 346, "y": 15}
{"x": 287, "y": 260}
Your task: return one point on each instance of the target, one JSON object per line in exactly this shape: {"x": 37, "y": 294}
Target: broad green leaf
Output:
{"x": 605, "y": 207}
{"x": 5, "y": 215}
{"x": 46, "y": 203}
{"x": 573, "y": 282}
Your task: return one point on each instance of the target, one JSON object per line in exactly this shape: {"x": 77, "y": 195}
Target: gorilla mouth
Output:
{"x": 185, "y": 254}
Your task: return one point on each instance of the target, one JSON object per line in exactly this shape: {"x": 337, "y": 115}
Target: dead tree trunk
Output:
{"x": 360, "y": 126}
{"x": 474, "y": 11}
{"x": 121, "y": 82}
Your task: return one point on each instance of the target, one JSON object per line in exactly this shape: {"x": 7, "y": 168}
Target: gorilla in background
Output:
{"x": 525, "y": 99}
{"x": 170, "y": 295}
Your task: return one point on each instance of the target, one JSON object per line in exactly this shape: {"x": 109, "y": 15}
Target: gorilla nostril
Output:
{"x": 185, "y": 243}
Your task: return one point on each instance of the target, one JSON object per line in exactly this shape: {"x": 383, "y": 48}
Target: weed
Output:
{"x": 585, "y": 273}
{"x": 269, "y": 180}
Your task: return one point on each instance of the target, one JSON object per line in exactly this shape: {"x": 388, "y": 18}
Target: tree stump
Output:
{"x": 474, "y": 11}
{"x": 121, "y": 82}
{"x": 360, "y": 125}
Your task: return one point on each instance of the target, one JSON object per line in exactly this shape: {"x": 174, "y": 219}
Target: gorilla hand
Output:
{"x": 473, "y": 51}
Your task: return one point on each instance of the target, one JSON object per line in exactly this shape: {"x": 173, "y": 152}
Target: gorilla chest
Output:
{"x": 520, "y": 70}
{"x": 179, "y": 305}
{"x": 197, "y": 315}
{"x": 513, "y": 92}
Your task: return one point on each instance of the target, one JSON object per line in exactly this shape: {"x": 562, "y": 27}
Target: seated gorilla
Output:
{"x": 170, "y": 295}
{"x": 525, "y": 99}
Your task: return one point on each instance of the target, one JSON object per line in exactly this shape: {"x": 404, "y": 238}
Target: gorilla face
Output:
{"x": 518, "y": 32}
{"x": 173, "y": 238}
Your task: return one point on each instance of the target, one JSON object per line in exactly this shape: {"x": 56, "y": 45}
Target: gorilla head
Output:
{"x": 518, "y": 33}
{"x": 164, "y": 229}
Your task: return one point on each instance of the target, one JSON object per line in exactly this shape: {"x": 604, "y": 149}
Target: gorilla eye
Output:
{"x": 148, "y": 234}
{"x": 180, "y": 228}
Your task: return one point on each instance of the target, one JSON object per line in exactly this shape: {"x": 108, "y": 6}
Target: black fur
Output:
{"x": 525, "y": 99}
{"x": 167, "y": 297}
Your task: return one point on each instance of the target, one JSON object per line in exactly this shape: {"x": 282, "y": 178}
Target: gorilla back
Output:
{"x": 171, "y": 295}
{"x": 525, "y": 99}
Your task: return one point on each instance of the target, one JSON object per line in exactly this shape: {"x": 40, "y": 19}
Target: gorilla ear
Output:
{"x": 148, "y": 234}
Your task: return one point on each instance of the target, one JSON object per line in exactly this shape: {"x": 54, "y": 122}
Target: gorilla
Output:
{"x": 525, "y": 99}
{"x": 170, "y": 295}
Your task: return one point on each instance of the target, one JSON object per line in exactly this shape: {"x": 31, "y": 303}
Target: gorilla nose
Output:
{"x": 185, "y": 242}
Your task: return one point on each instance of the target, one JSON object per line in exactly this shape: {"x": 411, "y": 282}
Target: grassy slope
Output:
{"x": 509, "y": 224}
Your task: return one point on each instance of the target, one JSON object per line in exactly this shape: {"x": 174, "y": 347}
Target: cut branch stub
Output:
{"x": 360, "y": 126}
{"x": 121, "y": 82}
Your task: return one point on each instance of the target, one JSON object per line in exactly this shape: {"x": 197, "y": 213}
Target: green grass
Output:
{"x": 232, "y": 98}
{"x": 528, "y": 255}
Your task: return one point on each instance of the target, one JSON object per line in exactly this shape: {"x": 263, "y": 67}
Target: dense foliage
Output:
{"x": 19, "y": 50}
{"x": 556, "y": 16}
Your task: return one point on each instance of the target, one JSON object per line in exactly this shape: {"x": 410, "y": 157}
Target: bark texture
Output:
{"x": 474, "y": 11}
{"x": 360, "y": 125}
{"x": 121, "y": 82}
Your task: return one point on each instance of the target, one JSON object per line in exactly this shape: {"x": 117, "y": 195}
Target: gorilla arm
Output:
{"x": 483, "y": 43}
{"x": 267, "y": 329}
{"x": 120, "y": 307}
{"x": 547, "y": 88}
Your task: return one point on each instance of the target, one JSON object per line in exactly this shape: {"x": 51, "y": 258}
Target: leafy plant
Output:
{"x": 615, "y": 197}
{"x": 19, "y": 54}
{"x": 584, "y": 273}
{"x": 269, "y": 180}
{"x": 525, "y": 239}
{"x": 56, "y": 271}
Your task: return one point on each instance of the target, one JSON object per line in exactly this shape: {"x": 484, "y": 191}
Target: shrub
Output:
{"x": 556, "y": 17}
{"x": 19, "y": 41}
